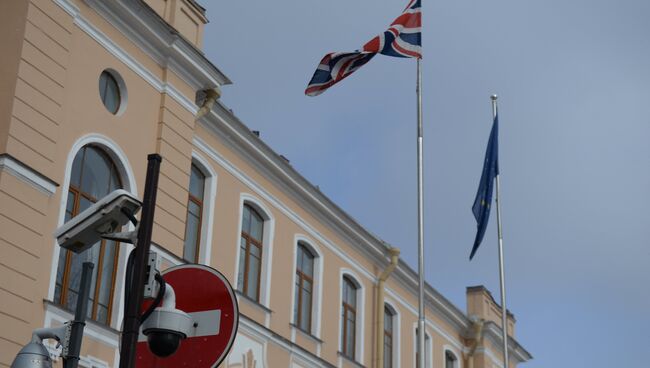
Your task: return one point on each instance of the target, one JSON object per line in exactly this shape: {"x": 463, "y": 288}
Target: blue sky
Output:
{"x": 574, "y": 84}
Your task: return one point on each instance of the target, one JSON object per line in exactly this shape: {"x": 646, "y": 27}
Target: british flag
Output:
{"x": 402, "y": 39}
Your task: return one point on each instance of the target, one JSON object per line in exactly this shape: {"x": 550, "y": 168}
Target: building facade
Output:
{"x": 88, "y": 89}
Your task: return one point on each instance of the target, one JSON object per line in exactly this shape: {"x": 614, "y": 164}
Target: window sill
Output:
{"x": 253, "y": 302}
{"x": 66, "y": 313}
{"x": 350, "y": 360}
{"x": 306, "y": 334}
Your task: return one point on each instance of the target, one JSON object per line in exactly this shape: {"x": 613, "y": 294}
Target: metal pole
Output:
{"x": 71, "y": 359}
{"x": 421, "y": 328}
{"x": 133, "y": 301}
{"x": 502, "y": 277}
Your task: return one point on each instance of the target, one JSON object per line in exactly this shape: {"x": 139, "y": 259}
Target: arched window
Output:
{"x": 349, "y": 317}
{"x": 93, "y": 176}
{"x": 304, "y": 288}
{"x": 450, "y": 359}
{"x": 388, "y": 336}
{"x": 194, "y": 215}
{"x": 250, "y": 260}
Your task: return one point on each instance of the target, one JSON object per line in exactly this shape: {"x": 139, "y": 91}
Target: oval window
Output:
{"x": 109, "y": 91}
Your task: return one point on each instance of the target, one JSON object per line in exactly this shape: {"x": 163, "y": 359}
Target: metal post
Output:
{"x": 421, "y": 329}
{"x": 71, "y": 359}
{"x": 502, "y": 278}
{"x": 133, "y": 301}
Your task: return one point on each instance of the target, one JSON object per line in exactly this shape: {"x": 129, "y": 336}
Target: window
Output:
{"x": 349, "y": 317}
{"x": 250, "y": 260}
{"x": 110, "y": 92}
{"x": 93, "y": 176}
{"x": 194, "y": 216}
{"x": 388, "y": 337}
{"x": 427, "y": 350}
{"x": 450, "y": 359}
{"x": 304, "y": 288}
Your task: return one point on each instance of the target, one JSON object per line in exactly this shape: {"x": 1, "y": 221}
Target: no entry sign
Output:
{"x": 208, "y": 298}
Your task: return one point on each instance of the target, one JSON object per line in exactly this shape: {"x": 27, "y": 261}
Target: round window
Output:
{"x": 109, "y": 92}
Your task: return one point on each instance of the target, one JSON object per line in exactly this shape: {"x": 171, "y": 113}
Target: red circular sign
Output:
{"x": 206, "y": 295}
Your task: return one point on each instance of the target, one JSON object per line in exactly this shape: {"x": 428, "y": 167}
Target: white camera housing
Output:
{"x": 166, "y": 326}
{"x": 103, "y": 217}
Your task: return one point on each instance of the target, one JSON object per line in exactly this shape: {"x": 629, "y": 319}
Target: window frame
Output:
{"x": 247, "y": 253}
{"x": 346, "y": 309}
{"x": 447, "y": 353}
{"x": 300, "y": 277}
{"x": 200, "y": 203}
{"x": 392, "y": 314}
{"x": 122, "y": 93}
{"x": 360, "y": 315}
{"x": 79, "y": 194}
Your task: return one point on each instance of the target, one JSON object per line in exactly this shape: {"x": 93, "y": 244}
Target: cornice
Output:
{"x": 149, "y": 32}
{"x": 275, "y": 168}
{"x": 27, "y": 174}
{"x": 495, "y": 335}
{"x": 235, "y": 134}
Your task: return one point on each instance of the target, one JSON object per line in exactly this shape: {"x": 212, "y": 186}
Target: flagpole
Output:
{"x": 502, "y": 277}
{"x": 421, "y": 328}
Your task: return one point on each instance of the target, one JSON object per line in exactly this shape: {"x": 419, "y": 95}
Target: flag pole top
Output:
{"x": 494, "y": 97}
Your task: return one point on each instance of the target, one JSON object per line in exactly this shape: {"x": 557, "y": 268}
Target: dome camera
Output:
{"x": 166, "y": 326}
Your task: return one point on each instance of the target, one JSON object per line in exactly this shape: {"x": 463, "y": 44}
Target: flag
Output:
{"x": 483, "y": 201}
{"x": 402, "y": 39}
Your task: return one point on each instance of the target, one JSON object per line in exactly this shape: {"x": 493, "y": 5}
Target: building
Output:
{"x": 88, "y": 89}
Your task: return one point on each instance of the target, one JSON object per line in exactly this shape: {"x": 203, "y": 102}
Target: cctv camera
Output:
{"x": 103, "y": 217}
{"x": 166, "y": 326}
{"x": 35, "y": 354}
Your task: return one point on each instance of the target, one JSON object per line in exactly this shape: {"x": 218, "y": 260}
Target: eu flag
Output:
{"x": 483, "y": 201}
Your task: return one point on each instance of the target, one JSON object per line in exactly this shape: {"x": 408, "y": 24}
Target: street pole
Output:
{"x": 502, "y": 277}
{"x": 71, "y": 359}
{"x": 135, "y": 286}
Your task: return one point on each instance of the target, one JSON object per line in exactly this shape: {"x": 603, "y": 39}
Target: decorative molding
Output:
{"x": 131, "y": 62}
{"x": 250, "y": 327}
{"x": 103, "y": 334}
{"x": 26, "y": 174}
{"x": 149, "y": 32}
{"x": 495, "y": 334}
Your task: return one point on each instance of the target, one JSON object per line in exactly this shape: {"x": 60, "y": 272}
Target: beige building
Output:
{"x": 87, "y": 89}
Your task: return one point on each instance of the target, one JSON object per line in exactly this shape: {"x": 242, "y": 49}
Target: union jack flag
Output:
{"x": 402, "y": 39}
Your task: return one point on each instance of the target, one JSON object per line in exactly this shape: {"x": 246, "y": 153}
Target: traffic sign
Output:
{"x": 206, "y": 295}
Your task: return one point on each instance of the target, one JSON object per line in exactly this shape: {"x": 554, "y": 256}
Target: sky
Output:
{"x": 573, "y": 79}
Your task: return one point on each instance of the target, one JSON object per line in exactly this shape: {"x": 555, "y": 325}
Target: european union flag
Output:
{"x": 483, "y": 201}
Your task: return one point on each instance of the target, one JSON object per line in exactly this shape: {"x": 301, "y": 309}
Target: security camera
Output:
{"x": 103, "y": 217}
{"x": 35, "y": 354}
{"x": 166, "y": 326}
